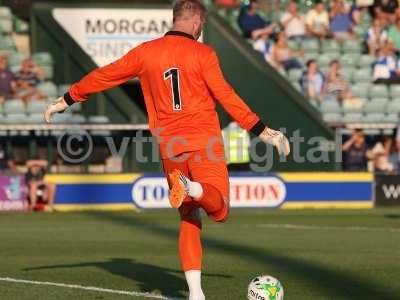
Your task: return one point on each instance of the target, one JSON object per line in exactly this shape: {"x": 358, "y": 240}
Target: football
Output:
{"x": 265, "y": 287}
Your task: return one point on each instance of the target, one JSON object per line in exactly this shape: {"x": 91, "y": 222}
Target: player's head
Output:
{"x": 189, "y": 15}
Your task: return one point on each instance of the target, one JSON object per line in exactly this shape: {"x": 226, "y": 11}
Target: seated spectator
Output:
{"x": 386, "y": 69}
{"x": 264, "y": 45}
{"x": 282, "y": 57}
{"x": 355, "y": 152}
{"x": 293, "y": 22}
{"x": 6, "y": 163}
{"x": 376, "y": 37}
{"x": 385, "y": 10}
{"x": 379, "y": 159}
{"x": 317, "y": 20}
{"x": 394, "y": 35}
{"x": 394, "y": 157}
{"x": 312, "y": 81}
{"x": 27, "y": 80}
{"x": 251, "y": 23}
{"x": 37, "y": 186}
{"x": 341, "y": 21}
{"x": 336, "y": 87}
{"x": 7, "y": 81}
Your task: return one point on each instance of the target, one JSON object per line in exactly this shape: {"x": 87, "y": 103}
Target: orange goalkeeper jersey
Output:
{"x": 181, "y": 81}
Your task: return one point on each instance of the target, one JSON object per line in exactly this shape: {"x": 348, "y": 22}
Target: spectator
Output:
{"x": 336, "y": 87}
{"x": 264, "y": 46}
{"x": 394, "y": 35}
{"x": 394, "y": 157}
{"x": 376, "y": 37}
{"x": 386, "y": 67}
{"x": 379, "y": 158}
{"x": 251, "y": 23}
{"x": 385, "y": 10}
{"x": 312, "y": 81}
{"x": 6, "y": 164}
{"x": 27, "y": 80}
{"x": 355, "y": 150}
{"x": 293, "y": 22}
{"x": 282, "y": 57}
{"x": 37, "y": 185}
{"x": 317, "y": 20}
{"x": 7, "y": 81}
{"x": 341, "y": 21}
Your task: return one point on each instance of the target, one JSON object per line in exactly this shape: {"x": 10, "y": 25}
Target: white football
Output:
{"x": 265, "y": 287}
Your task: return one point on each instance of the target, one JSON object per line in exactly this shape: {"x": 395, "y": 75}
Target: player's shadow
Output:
{"x": 352, "y": 287}
{"x": 149, "y": 278}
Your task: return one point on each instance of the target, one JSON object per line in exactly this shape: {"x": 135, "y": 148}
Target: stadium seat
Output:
{"x": 330, "y": 107}
{"x": 360, "y": 90}
{"x": 15, "y": 59}
{"x": 43, "y": 58}
{"x": 349, "y": 59}
{"x": 373, "y": 118}
{"x": 6, "y": 43}
{"x": 36, "y": 106}
{"x": 48, "y": 72}
{"x": 295, "y": 74}
{"x": 362, "y": 75}
{"x": 325, "y": 58}
{"x": 347, "y": 72}
{"x": 77, "y": 119}
{"x": 366, "y": 61}
{"x": 16, "y": 118}
{"x": 62, "y": 118}
{"x": 378, "y": 91}
{"x": 20, "y": 26}
{"x": 6, "y": 26}
{"x": 297, "y": 86}
{"x": 352, "y": 118}
{"x": 63, "y": 88}
{"x": 48, "y": 88}
{"x": 310, "y": 45}
{"x": 395, "y": 91}
{"x": 99, "y": 119}
{"x": 374, "y": 107}
{"x": 351, "y": 46}
{"x": 14, "y": 106}
{"x": 391, "y": 118}
{"x": 329, "y": 46}
{"x": 393, "y": 107}
{"x": 35, "y": 118}
{"x": 332, "y": 117}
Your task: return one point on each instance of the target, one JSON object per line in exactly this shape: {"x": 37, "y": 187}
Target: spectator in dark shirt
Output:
{"x": 251, "y": 23}
{"x": 6, "y": 164}
{"x": 37, "y": 185}
{"x": 7, "y": 80}
{"x": 355, "y": 150}
{"x": 385, "y": 10}
{"x": 27, "y": 80}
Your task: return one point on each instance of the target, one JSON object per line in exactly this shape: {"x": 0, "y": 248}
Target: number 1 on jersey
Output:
{"x": 176, "y": 97}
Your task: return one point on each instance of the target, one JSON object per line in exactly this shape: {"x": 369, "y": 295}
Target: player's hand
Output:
{"x": 57, "y": 106}
{"x": 277, "y": 139}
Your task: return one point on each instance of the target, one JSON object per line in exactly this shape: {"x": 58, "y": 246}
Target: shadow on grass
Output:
{"x": 392, "y": 216}
{"x": 334, "y": 283}
{"x": 149, "y": 278}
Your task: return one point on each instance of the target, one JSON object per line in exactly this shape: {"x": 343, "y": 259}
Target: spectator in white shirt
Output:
{"x": 317, "y": 20}
{"x": 312, "y": 81}
{"x": 386, "y": 68}
{"x": 376, "y": 37}
{"x": 293, "y": 22}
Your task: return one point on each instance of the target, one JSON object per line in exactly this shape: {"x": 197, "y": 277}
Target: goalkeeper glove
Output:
{"x": 277, "y": 139}
{"x": 58, "y": 106}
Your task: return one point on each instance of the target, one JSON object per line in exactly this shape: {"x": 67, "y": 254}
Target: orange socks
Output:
{"x": 190, "y": 250}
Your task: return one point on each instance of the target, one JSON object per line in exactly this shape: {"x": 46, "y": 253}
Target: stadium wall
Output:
{"x": 280, "y": 190}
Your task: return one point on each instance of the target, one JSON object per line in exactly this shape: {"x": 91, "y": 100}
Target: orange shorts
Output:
{"x": 203, "y": 167}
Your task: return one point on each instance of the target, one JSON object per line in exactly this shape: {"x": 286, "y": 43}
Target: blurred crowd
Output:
{"x": 381, "y": 154}
{"x": 21, "y": 84}
{"x": 329, "y": 20}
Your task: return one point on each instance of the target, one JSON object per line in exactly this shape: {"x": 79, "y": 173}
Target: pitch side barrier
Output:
{"x": 247, "y": 190}
{"x": 267, "y": 91}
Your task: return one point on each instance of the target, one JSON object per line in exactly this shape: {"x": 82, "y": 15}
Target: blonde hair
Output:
{"x": 186, "y": 9}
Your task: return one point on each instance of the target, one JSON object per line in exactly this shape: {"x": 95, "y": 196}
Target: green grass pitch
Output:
{"x": 317, "y": 255}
